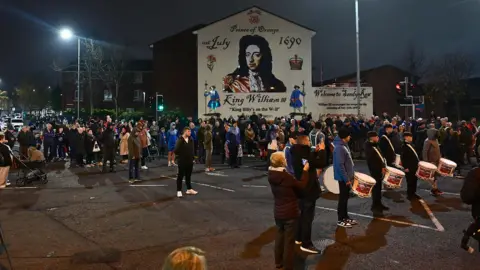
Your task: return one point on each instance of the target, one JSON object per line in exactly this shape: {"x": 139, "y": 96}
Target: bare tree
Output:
{"x": 448, "y": 77}
{"x": 415, "y": 62}
{"x": 91, "y": 55}
{"x": 110, "y": 69}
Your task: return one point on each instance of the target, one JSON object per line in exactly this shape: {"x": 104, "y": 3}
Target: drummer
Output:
{"x": 377, "y": 167}
{"x": 431, "y": 153}
{"x": 386, "y": 146}
{"x": 410, "y": 162}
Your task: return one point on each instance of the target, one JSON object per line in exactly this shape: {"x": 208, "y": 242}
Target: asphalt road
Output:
{"x": 83, "y": 219}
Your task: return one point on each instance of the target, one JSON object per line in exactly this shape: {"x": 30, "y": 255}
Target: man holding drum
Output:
{"x": 431, "y": 154}
{"x": 410, "y": 161}
{"x": 386, "y": 147}
{"x": 377, "y": 167}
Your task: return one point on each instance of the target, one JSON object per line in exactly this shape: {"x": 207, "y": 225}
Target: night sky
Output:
{"x": 29, "y": 41}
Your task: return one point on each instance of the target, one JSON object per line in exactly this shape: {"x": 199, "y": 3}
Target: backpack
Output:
{"x": 471, "y": 186}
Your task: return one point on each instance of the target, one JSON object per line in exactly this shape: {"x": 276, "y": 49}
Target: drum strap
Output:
{"x": 348, "y": 151}
{"x": 380, "y": 155}
{"x": 389, "y": 142}
{"x": 415, "y": 152}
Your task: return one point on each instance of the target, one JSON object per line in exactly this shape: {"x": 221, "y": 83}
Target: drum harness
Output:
{"x": 415, "y": 152}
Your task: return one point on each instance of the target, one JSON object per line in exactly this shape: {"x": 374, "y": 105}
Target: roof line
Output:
{"x": 264, "y": 10}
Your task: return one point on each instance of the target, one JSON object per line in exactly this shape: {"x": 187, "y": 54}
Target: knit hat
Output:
{"x": 343, "y": 133}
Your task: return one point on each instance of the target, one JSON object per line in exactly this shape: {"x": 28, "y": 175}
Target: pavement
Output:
{"x": 83, "y": 219}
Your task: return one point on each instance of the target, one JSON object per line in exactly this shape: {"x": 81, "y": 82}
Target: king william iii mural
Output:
{"x": 254, "y": 73}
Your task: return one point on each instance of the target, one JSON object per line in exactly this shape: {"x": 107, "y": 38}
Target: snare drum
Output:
{"x": 393, "y": 178}
{"x": 426, "y": 171}
{"x": 446, "y": 167}
{"x": 363, "y": 185}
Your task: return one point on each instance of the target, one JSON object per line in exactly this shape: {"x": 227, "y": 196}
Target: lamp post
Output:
{"x": 67, "y": 34}
{"x": 357, "y": 38}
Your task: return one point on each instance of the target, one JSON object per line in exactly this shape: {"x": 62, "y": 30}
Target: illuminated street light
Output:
{"x": 66, "y": 34}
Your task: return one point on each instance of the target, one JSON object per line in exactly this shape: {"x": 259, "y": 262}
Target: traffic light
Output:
{"x": 160, "y": 105}
{"x": 413, "y": 89}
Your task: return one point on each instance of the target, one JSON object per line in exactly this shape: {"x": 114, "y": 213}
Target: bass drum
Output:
{"x": 329, "y": 181}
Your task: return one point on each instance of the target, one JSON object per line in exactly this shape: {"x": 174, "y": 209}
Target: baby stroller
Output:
{"x": 153, "y": 151}
{"x": 29, "y": 171}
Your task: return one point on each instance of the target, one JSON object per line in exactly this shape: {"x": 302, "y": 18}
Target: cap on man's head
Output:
{"x": 407, "y": 134}
{"x": 372, "y": 134}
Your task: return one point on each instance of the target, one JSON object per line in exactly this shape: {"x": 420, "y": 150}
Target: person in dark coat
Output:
{"x": 386, "y": 146}
{"x": 60, "y": 139}
{"x": 301, "y": 152}
{"x": 473, "y": 186}
{"x": 377, "y": 167}
{"x": 184, "y": 151}
{"x": 232, "y": 145}
{"x": 26, "y": 139}
{"x": 6, "y": 153}
{"x": 49, "y": 143}
{"x": 452, "y": 148}
{"x": 410, "y": 160}
{"x": 107, "y": 139}
{"x": 80, "y": 146}
{"x": 286, "y": 191}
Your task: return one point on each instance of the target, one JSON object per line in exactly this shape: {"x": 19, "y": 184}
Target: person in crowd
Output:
{"x": 184, "y": 151}
{"x": 25, "y": 140}
{"x": 232, "y": 148}
{"x": 134, "y": 155}
{"x": 194, "y": 136}
{"x": 201, "y": 142}
{"x": 49, "y": 142}
{"x": 124, "y": 135}
{"x": 186, "y": 258}
{"x": 60, "y": 138}
{"x": 377, "y": 167}
{"x": 431, "y": 153}
{"x": 162, "y": 143}
{"x": 286, "y": 191}
{"x": 292, "y": 140}
{"x": 302, "y": 153}
{"x": 249, "y": 140}
{"x": 207, "y": 139}
{"x": 5, "y": 161}
{"x": 172, "y": 137}
{"x": 35, "y": 155}
{"x": 410, "y": 162}
{"x": 452, "y": 148}
{"x": 344, "y": 174}
{"x": 80, "y": 146}
{"x": 143, "y": 136}
{"x": 154, "y": 129}
{"x": 89, "y": 145}
{"x": 107, "y": 140}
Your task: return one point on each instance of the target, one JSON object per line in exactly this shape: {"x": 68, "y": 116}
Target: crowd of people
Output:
{"x": 295, "y": 152}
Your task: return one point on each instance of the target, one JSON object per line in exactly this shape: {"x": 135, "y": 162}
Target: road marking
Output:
{"x": 383, "y": 219}
{"x": 259, "y": 186}
{"x": 148, "y": 185}
{"x": 432, "y": 216}
{"x": 205, "y": 185}
{"x": 21, "y": 188}
{"x": 216, "y": 174}
{"x": 446, "y": 193}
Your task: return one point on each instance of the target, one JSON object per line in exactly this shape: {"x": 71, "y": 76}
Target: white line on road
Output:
{"x": 446, "y": 193}
{"x": 256, "y": 186}
{"x": 432, "y": 216}
{"x": 205, "y": 185}
{"x": 383, "y": 219}
{"x": 148, "y": 185}
{"x": 20, "y": 188}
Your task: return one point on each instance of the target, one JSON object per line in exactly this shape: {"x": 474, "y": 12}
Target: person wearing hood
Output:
{"x": 343, "y": 173}
{"x": 410, "y": 162}
{"x": 302, "y": 153}
{"x": 286, "y": 191}
{"x": 134, "y": 155}
{"x": 377, "y": 165}
{"x": 172, "y": 136}
{"x": 431, "y": 153}
{"x": 386, "y": 146}
{"x": 232, "y": 147}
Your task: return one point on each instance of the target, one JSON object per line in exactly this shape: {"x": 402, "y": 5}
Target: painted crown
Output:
{"x": 296, "y": 63}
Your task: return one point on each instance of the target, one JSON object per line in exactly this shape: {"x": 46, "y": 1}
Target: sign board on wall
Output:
{"x": 341, "y": 101}
{"x": 254, "y": 59}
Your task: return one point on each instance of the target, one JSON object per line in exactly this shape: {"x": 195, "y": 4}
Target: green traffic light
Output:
{"x": 160, "y": 107}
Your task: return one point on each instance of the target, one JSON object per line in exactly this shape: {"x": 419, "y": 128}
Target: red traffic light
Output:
{"x": 398, "y": 86}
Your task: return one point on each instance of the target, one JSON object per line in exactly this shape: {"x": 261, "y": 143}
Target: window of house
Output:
{"x": 138, "y": 95}
{"x": 76, "y": 96}
{"x": 107, "y": 95}
{"x": 138, "y": 77}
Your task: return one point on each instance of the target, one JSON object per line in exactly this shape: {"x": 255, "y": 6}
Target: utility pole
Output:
{"x": 411, "y": 98}
{"x": 357, "y": 28}
{"x": 156, "y": 106}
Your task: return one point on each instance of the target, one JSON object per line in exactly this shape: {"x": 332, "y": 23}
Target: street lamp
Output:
{"x": 67, "y": 34}
{"x": 357, "y": 38}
